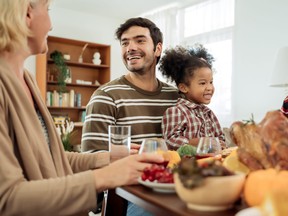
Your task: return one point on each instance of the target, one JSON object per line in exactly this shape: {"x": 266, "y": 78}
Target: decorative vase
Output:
{"x": 96, "y": 58}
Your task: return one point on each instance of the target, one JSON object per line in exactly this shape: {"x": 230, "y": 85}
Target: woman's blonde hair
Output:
{"x": 13, "y": 28}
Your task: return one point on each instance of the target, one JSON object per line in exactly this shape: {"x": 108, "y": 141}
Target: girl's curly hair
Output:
{"x": 179, "y": 64}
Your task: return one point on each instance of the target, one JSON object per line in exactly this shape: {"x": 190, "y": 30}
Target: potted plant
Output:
{"x": 66, "y": 133}
{"x": 63, "y": 70}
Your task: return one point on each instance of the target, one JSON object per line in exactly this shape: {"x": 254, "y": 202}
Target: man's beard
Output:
{"x": 132, "y": 69}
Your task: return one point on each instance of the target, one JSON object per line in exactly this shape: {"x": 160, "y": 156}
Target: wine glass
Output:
{"x": 157, "y": 146}
{"x": 208, "y": 147}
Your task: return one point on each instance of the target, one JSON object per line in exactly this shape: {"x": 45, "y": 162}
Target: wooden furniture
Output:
{"x": 82, "y": 73}
{"x": 164, "y": 203}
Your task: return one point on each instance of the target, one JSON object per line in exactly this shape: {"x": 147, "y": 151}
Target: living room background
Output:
{"x": 259, "y": 33}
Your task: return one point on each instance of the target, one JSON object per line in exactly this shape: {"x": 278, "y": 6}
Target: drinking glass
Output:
{"x": 157, "y": 146}
{"x": 208, "y": 147}
{"x": 119, "y": 141}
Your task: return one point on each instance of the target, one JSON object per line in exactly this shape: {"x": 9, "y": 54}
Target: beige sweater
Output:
{"x": 33, "y": 179}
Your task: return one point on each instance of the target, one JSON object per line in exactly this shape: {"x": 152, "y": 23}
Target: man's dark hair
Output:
{"x": 155, "y": 32}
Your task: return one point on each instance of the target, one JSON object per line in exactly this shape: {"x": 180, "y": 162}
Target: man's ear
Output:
{"x": 158, "y": 49}
{"x": 182, "y": 87}
{"x": 29, "y": 16}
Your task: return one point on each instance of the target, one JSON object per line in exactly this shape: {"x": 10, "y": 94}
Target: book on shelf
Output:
{"x": 63, "y": 99}
{"x": 55, "y": 98}
{"x": 77, "y": 100}
{"x": 71, "y": 98}
{"x": 48, "y": 98}
{"x": 82, "y": 115}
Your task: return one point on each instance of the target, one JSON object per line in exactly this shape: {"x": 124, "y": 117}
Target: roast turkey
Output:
{"x": 263, "y": 145}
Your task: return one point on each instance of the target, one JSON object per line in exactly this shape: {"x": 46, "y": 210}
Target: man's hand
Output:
{"x": 134, "y": 148}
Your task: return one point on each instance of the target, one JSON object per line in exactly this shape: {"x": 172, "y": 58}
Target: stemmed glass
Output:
{"x": 208, "y": 147}
{"x": 157, "y": 146}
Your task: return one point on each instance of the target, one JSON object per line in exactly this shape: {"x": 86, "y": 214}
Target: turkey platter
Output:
{"x": 263, "y": 145}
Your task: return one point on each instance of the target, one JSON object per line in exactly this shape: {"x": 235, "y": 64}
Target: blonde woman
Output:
{"x": 37, "y": 176}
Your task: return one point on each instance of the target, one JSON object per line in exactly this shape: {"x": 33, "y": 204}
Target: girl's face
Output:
{"x": 201, "y": 88}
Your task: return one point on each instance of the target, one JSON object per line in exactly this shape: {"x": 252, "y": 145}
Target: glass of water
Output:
{"x": 119, "y": 141}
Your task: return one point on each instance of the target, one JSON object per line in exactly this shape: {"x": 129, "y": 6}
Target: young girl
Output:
{"x": 190, "y": 119}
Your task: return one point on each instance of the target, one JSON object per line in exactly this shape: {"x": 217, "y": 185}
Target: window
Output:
{"x": 208, "y": 16}
{"x": 211, "y": 24}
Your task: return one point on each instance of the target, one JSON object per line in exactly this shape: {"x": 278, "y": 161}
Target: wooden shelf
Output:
{"x": 74, "y": 84}
{"x": 78, "y": 64}
{"x": 86, "y": 71}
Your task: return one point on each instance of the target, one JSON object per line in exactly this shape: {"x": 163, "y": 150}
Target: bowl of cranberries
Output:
{"x": 159, "y": 178}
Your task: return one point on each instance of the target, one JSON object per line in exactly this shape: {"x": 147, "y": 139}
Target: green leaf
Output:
{"x": 186, "y": 150}
{"x": 63, "y": 70}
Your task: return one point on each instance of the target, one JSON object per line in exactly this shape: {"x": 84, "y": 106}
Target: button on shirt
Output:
{"x": 188, "y": 120}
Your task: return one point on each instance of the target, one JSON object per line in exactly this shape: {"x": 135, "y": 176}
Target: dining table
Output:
{"x": 166, "y": 204}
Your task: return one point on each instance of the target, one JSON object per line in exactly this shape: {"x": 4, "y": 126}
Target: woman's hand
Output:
{"x": 124, "y": 171}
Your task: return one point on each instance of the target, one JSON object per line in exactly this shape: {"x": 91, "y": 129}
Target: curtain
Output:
{"x": 167, "y": 20}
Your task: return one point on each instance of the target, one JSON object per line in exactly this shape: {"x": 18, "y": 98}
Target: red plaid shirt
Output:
{"x": 284, "y": 108}
{"x": 188, "y": 120}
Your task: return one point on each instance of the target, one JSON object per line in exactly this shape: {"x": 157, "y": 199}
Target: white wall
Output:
{"x": 260, "y": 31}
{"x": 86, "y": 27}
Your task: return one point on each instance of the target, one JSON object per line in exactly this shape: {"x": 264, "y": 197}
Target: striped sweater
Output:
{"x": 119, "y": 102}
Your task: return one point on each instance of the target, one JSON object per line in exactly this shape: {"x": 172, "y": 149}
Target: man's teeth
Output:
{"x": 134, "y": 57}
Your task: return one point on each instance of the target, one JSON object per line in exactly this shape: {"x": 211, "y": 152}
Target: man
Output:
{"x": 138, "y": 98}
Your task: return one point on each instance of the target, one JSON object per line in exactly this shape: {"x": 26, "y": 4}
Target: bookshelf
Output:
{"x": 86, "y": 77}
